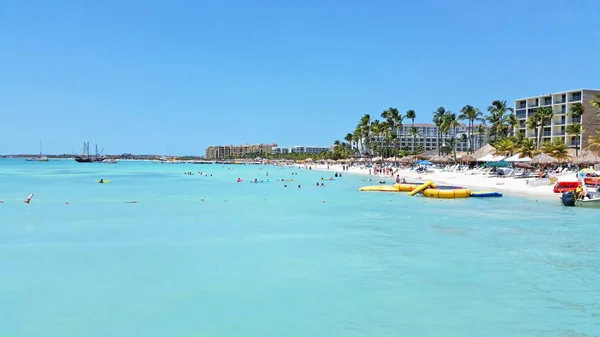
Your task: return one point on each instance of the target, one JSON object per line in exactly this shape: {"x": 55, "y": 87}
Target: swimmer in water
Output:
{"x": 101, "y": 181}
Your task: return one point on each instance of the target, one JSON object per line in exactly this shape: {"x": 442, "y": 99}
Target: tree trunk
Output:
{"x": 454, "y": 145}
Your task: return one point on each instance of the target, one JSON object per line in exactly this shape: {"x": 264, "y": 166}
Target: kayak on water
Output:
{"x": 103, "y": 181}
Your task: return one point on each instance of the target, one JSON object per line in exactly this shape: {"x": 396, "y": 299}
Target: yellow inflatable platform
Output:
{"x": 379, "y": 188}
{"x": 428, "y": 189}
{"x": 388, "y": 188}
{"x": 447, "y": 194}
{"x": 406, "y": 187}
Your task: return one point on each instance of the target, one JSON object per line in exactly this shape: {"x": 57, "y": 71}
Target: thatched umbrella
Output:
{"x": 468, "y": 159}
{"x": 407, "y": 159}
{"x": 544, "y": 159}
{"x": 484, "y": 151}
{"x": 440, "y": 160}
{"x": 587, "y": 158}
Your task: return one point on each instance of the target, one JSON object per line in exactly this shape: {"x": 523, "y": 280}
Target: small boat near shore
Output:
{"x": 570, "y": 199}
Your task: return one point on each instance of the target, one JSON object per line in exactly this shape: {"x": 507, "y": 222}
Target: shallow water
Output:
{"x": 266, "y": 260}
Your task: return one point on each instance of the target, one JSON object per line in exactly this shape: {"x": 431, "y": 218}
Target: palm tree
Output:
{"x": 450, "y": 122}
{"x": 438, "y": 119}
{"x": 594, "y": 142}
{"x": 506, "y": 147}
{"x": 596, "y": 103}
{"x": 365, "y": 132}
{"x": 528, "y": 148}
{"x": 481, "y": 134}
{"x": 498, "y": 116}
{"x": 376, "y": 129}
{"x": 394, "y": 120}
{"x": 556, "y": 149}
{"x": 575, "y": 130}
{"x": 414, "y": 132}
{"x": 543, "y": 114}
{"x": 411, "y": 114}
{"x": 577, "y": 110}
{"x": 349, "y": 138}
{"x": 533, "y": 123}
{"x": 512, "y": 121}
{"x": 471, "y": 114}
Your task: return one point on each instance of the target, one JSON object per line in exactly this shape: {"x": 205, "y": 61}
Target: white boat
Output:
{"x": 40, "y": 158}
{"x": 110, "y": 161}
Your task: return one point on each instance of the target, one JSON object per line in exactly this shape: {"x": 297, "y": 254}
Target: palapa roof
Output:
{"x": 544, "y": 159}
{"x": 441, "y": 159}
{"x": 484, "y": 151}
{"x": 586, "y": 158}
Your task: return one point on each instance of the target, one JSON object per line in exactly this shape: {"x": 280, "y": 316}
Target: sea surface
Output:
{"x": 203, "y": 255}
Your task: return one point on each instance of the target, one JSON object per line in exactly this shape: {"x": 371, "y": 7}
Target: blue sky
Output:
{"x": 174, "y": 76}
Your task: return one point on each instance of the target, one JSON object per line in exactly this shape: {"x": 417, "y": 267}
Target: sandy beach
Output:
{"x": 529, "y": 187}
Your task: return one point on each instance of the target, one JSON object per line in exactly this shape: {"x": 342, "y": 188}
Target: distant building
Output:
{"x": 428, "y": 137}
{"x": 561, "y": 103}
{"x": 237, "y": 151}
{"x": 300, "y": 149}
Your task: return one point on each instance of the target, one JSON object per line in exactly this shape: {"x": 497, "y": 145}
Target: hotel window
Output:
{"x": 576, "y": 96}
{"x": 547, "y": 100}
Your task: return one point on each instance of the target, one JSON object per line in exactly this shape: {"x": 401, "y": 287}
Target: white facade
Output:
{"x": 561, "y": 103}
{"x": 428, "y": 137}
{"x": 300, "y": 149}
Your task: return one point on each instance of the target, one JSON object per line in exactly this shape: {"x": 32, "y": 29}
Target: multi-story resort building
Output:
{"x": 561, "y": 103}
{"x": 428, "y": 136}
{"x": 300, "y": 149}
{"x": 237, "y": 151}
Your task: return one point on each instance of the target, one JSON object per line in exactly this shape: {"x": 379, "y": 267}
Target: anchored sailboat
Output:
{"x": 85, "y": 155}
{"x": 40, "y": 158}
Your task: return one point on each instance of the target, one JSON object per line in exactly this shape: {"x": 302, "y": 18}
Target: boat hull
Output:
{"x": 569, "y": 199}
{"x": 89, "y": 159}
{"x": 588, "y": 203}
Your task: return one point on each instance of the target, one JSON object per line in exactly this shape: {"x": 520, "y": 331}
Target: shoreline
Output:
{"x": 507, "y": 186}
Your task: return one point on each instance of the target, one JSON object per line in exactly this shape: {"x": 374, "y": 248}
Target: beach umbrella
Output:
{"x": 407, "y": 159}
{"x": 587, "y": 158}
{"x": 523, "y": 166}
{"x": 544, "y": 159}
{"x": 308, "y": 159}
{"x": 501, "y": 163}
{"x": 468, "y": 159}
{"x": 440, "y": 160}
{"x": 424, "y": 162}
{"x": 516, "y": 158}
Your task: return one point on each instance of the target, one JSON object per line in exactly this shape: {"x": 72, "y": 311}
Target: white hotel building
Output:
{"x": 428, "y": 137}
{"x": 561, "y": 103}
{"x": 300, "y": 149}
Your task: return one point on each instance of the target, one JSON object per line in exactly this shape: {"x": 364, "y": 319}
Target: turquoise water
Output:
{"x": 265, "y": 260}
